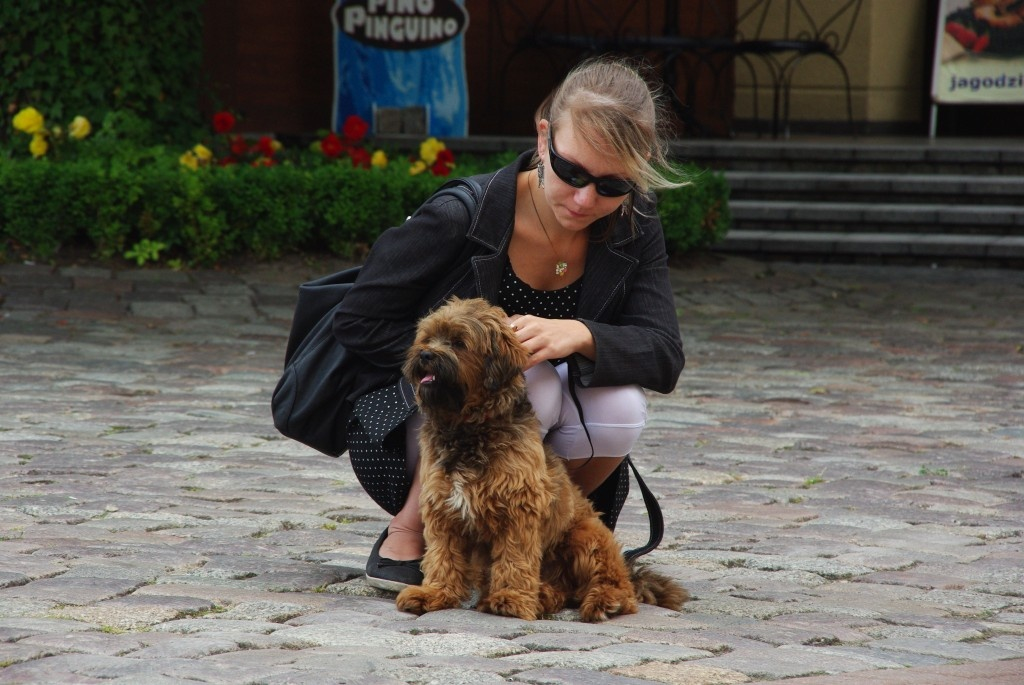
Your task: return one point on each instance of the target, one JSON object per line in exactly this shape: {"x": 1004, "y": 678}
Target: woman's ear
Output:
{"x": 542, "y": 137}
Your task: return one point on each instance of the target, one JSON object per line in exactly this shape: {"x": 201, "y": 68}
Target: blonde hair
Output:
{"x": 608, "y": 100}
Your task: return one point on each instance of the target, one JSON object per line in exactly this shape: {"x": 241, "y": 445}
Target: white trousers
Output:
{"x": 614, "y": 416}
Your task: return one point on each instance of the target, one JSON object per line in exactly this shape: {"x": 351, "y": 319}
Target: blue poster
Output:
{"x": 401, "y": 54}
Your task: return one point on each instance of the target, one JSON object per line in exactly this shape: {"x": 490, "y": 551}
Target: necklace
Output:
{"x": 561, "y": 266}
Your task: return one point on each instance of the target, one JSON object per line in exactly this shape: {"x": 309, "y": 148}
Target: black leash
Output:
{"x": 654, "y": 515}
{"x": 655, "y": 518}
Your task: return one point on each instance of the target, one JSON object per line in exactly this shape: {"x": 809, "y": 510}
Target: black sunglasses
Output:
{"x": 577, "y": 176}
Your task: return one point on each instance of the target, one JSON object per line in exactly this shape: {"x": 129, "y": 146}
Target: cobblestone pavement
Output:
{"x": 840, "y": 468}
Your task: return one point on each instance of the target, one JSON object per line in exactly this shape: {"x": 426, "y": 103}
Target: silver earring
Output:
{"x": 540, "y": 175}
{"x": 624, "y": 208}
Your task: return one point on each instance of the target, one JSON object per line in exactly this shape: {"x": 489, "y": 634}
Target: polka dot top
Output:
{"x": 516, "y": 297}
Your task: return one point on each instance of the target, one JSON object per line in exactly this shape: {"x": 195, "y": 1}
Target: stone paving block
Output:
{"x": 161, "y": 310}
{"x": 682, "y": 674}
{"x": 596, "y": 660}
{"x": 136, "y": 612}
{"x": 72, "y": 591}
{"x": 967, "y": 651}
{"x": 457, "y": 671}
{"x": 546, "y": 642}
{"x": 51, "y": 671}
{"x": 655, "y": 652}
{"x": 570, "y": 676}
{"x": 784, "y": 662}
{"x": 91, "y": 642}
{"x": 213, "y": 624}
{"x": 189, "y": 647}
{"x": 318, "y": 677}
{"x": 263, "y": 611}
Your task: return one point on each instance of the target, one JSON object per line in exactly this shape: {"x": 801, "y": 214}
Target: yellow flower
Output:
{"x": 38, "y": 146}
{"x": 79, "y": 128}
{"x": 418, "y": 167}
{"x": 28, "y": 120}
{"x": 429, "y": 149}
{"x": 202, "y": 153}
{"x": 189, "y": 159}
{"x": 379, "y": 159}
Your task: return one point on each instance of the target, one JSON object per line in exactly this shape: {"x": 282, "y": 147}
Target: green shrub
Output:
{"x": 696, "y": 215}
{"x": 69, "y": 57}
{"x": 143, "y": 203}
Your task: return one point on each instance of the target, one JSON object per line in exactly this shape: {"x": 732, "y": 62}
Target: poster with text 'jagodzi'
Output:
{"x": 400, "y": 58}
{"x": 979, "y": 54}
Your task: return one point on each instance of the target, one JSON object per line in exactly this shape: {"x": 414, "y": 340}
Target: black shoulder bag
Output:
{"x": 311, "y": 402}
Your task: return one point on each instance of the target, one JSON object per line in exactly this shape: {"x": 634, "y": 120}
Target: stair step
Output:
{"x": 870, "y": 217}
{"x": 870, "y": 244}
{"x": 913, "y": 156}
{"x": 894, "y": 188}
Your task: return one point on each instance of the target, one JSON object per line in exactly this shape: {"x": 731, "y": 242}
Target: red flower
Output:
{"x": 354, "y": 128}
{"x": 446, "y": 157}
{"x": 444, "y": 163}
{"x": 331, "y": 145}
{"x": 238, "y": 146}
{"x": 223, "y": 122}
{"x": 265, "y": 146}
{"x": 360, "y": 157}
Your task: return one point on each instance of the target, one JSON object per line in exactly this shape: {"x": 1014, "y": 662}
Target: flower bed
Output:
{"x": 230, "y": 196}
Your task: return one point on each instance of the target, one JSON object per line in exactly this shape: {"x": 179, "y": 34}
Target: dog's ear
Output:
{"x": 506, "y": 359}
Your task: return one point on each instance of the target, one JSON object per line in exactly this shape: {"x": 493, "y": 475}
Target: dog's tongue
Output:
{"x": 429, "y": 378}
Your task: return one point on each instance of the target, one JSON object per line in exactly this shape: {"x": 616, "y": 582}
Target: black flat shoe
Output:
{"x": 388, "y": 574}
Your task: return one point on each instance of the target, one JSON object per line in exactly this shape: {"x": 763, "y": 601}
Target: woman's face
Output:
{"x": 577, "y": 208}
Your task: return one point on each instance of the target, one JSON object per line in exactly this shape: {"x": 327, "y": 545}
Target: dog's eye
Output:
{"x": 458, "y": 343}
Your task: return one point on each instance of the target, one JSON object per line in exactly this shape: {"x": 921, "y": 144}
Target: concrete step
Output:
{"x": 891, "y": 188}
{"x": 995, "y": 249}
{"x": 877, "y": 217}
{"x": 943, "y": 156}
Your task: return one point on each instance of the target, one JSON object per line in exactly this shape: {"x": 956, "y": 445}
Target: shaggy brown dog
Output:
{"x": 499, "y": 511}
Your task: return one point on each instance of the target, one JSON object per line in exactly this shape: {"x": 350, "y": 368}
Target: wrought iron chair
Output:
{"x": 803, "y": 34}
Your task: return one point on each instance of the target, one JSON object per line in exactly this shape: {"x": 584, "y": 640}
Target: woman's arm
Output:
{"x": 640, "y": 342}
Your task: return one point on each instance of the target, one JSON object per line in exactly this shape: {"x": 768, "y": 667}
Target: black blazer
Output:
{"x": 626, "y": 299}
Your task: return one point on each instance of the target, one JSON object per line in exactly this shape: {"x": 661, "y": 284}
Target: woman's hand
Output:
{"x": 547, "y": 339}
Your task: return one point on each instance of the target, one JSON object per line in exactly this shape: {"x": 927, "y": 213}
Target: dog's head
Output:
{"x": 466, "y": 360}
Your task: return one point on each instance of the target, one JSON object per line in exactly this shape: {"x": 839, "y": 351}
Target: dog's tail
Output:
{"x": 654, "y": 588}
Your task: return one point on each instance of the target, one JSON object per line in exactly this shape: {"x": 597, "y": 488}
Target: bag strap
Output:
{"x": 466, "y": 189}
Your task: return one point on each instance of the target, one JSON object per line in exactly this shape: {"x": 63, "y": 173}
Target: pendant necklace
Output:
{"x": 561, "y": 266}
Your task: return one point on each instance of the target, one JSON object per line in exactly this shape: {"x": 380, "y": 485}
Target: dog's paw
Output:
{"x": 420, "y": 599}
{"x": 604, "y": 601}
{"x": 551, "y": 600}
{"x": 510, "y": 603}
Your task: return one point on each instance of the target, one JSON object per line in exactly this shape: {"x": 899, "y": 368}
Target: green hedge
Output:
{"x": 69, "y": 57}
{"x": 153, "y": 209}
